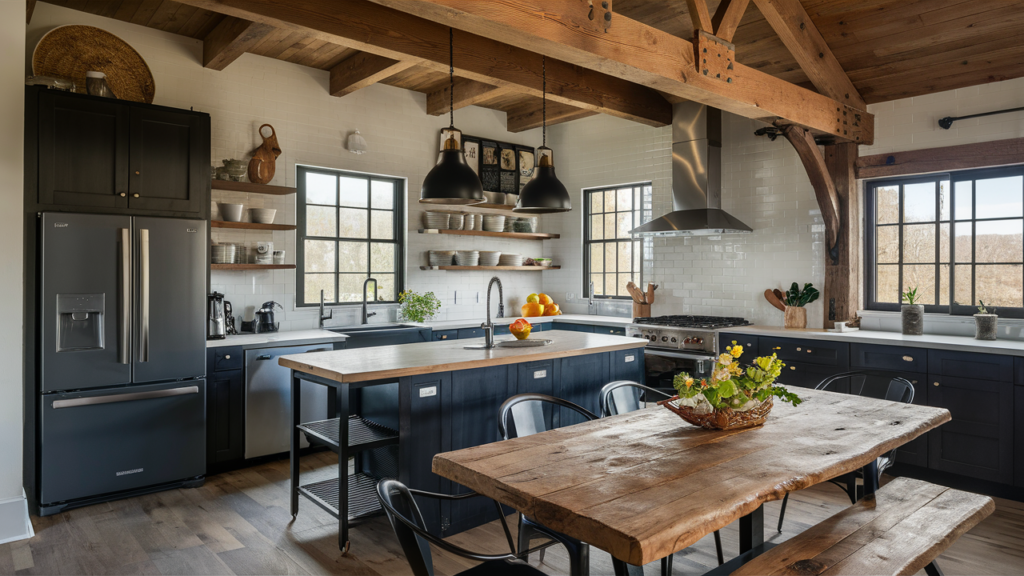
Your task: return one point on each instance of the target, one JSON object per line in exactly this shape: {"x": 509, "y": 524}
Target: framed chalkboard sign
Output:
{"x": 502, "y": 167}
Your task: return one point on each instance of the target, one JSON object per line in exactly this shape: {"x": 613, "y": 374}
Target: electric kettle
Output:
{"x": 264, "y": 318}
{"x": 216, "y": 325}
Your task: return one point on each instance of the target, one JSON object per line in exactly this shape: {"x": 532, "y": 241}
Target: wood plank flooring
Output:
{"x": 238, "y": 523}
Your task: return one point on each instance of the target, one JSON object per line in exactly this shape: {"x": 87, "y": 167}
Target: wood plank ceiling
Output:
{"x": 889, "y": 48}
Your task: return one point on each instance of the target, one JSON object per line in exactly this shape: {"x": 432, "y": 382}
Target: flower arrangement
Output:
{"x": 734, "y": 396}
{"x": 418, "y": 307}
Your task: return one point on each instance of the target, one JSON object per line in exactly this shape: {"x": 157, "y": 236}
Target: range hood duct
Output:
{"x": 696, "y": 178}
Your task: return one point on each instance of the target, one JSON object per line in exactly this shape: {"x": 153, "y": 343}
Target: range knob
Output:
{"x": 698, "y": 340}
{"x": 664, "y": 338}
{"x": 673, "y": 338}
{"x": 652, "y": 338}
{"x": 688, "y": 341}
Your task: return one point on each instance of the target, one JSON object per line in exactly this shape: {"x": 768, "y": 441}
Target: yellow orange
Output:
{"x": 532, "y": 309}
{"x": 544, "y": 299}
{"x": 551, "y": 310}
{"x": 533, "y": 299}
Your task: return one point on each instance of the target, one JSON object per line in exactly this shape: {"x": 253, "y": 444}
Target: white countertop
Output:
{"x": 293, "y": 337}
{"x": 932, "y": 341}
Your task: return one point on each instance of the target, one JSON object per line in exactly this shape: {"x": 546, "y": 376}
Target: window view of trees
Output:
{"x": 957, "y": 244}
{"x": 612, "y": 257}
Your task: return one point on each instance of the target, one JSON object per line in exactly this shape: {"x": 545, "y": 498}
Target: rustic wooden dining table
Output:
{"x": 644, "y": 485}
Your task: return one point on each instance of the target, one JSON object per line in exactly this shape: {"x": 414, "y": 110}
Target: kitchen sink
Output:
{"x": 387, "y": 334}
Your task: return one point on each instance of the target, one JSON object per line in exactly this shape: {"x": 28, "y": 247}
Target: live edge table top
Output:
{"x": 363, "y": 364}
{"x": 644, "y": 485}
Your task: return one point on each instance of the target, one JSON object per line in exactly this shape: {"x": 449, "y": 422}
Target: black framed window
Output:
{"x": 611, "y": 257}
{"x": 957, "y": 237}
{"x": 349, "y": 229}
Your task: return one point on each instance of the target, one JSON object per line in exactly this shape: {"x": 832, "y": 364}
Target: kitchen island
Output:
{"x": 406, "y": 403}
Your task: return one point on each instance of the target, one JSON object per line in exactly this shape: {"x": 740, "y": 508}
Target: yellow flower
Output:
{"x": 689, "y": 382}
{"x": 736, "y": 350}
{"x": 725, "y": 359}
{"x": 704, "y": 383}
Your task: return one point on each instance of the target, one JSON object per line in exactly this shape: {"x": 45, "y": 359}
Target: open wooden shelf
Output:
{"x": 252, "y": 266}
{"x": 251, "y": 187}
{"x": 507, "y": 268}
{"x": 505, "y": 207}
{"x": 519, "y": 235}
{"x": 250, "y": 225}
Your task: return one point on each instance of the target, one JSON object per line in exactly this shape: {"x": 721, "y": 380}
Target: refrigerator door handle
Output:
{"x": 93, "y": 400}
{"x": 124, "y": 352}
{"x": 144, "y": 295}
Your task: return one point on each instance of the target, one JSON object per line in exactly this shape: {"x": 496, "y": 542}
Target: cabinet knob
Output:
{"x": 908, "y": 358}
{"x": 136, "y": 172}
{"x": 227, "y": 356}
{"x": 809, "y": 351}
{"x": 444, "y": 337}
{"x": 123, "y": 194}
{"x": 792, "y": 367}
{"x": 136, "y": 195}
{"x": 749, "y": 345}
{"x": 799, "y": 349}
{"x": 935, "y": 383}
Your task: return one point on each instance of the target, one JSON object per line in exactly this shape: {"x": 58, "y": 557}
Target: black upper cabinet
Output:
{"x": 100, "y": 154}
{"x": 169, "y": 164}
{"x": 83, "y": 151}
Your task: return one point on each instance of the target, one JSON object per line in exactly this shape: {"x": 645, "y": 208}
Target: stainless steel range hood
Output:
{"x": 696, "y": 178}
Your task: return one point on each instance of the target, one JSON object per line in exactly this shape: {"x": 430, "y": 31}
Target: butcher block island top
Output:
{"x": 364, "y": 364}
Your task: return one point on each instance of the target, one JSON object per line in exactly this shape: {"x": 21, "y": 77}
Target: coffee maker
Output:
{"x": 264, "y": 318}
{"x": 216, "y": 325}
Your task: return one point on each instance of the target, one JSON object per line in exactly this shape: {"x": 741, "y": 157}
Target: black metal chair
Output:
{"x": 624, "y": 396}
{"x": 523, "y": 415}
{"x": 407, "y": 521}
{"x": 872, "y": 384}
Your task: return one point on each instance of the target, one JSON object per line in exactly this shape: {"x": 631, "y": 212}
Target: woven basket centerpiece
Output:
{"x": 731, "y": 396}
{"x": 71, "y": 51}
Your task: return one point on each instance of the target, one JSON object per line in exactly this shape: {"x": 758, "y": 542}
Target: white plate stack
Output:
{"x": 437, "y": 220}
{"x": 468, "y": 221}
{"x": 455, "y": 221}
{"x": 510, "y": 260}
{"x": 467, "y": 258}
{"x": 223, "y": 253}
{"x": 440, "y": 257}
{"x": 494, "y": 223}
{"x": 488, "y": 258}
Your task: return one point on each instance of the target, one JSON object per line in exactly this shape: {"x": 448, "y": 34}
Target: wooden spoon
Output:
{"x": 778, "y": 294}
{"x": 650, "y": 292}
{"x": 774, "y": 300}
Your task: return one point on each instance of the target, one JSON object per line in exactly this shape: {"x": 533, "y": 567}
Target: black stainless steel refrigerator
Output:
{"x": 122, "y": 356}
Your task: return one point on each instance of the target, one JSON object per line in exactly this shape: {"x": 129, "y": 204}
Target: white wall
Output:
{"x": 312, "y": 128}
{"x": 763, "y": 184}
{"x": 13, "y": 513}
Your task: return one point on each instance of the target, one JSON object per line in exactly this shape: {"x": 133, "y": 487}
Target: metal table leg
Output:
{"x": 871, "y": 478}
{"x": 295, "y": 440}
{"x": 343, "y": 409}
{"x": 626, "y": 569}
{"x": 752, "y": 529}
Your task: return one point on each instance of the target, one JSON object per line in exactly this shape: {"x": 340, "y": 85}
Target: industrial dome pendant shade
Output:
{"x": 451, "y": 180}
{"x": 544, "y": 194}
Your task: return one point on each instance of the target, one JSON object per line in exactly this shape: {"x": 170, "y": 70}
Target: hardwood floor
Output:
{"x": 238, "y": 523}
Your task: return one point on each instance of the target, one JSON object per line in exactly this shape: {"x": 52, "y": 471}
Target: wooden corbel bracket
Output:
{"x": 824, "y": 187}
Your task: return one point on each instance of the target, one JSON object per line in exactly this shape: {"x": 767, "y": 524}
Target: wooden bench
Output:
{"x": 901, "y": 530}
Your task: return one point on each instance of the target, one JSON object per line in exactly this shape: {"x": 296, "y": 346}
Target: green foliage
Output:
{"x": 798, "y": 297}
{"x": 731, "y": 385}
{"x": 982, "y": 309}
{"x": 910, "y": 296}
{"x": 418, "y": 307}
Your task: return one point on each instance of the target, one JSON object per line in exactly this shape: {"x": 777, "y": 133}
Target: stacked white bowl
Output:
{"x": 437, "y": 220}
{"x": 440, "y": 257}
{"x": 510, "y": 260}
{"x": 488, "y": 258}
{"x": 263, "y": 215}
{"x": 455, "y": 221}
{"x": 467, "y": 258}
{"x": 223, "y": 253}
{"x": 494, "y": 222}
{"x": 468, "y": 221}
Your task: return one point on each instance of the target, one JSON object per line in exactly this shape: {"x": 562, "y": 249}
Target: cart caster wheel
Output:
{"x": 348, "y": 546}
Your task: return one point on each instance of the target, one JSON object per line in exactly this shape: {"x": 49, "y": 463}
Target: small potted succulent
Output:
{"x": 985, "y": 323}
{"x": 912, "y": 313}
{"x": 796, "y": 299}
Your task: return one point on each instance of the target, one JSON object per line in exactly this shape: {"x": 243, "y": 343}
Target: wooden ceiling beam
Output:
{"x": 524, "y": 118}
{"x": 727, "y": 18}
{"x": 395, "y": 34}
{"x": 700, "y": 16}
{"x": 230, "y": 39}
{"x": 824, "y": 188}
{"x": 467, "y": 93}
{"x": 644, "y": 55}
{"x": 801, "y": 37}
{"x": 363, "y": 69}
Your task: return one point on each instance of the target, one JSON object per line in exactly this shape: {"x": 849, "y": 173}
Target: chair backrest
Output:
{"x": 623, "y": 396}
{"x": 523, "y": 414}
{"x": 870, "y": 384}
{"x": 396, "y": 499}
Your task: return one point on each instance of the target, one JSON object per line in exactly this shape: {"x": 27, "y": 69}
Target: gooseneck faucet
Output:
{"x": 366, "y": 315}
{"x": 322, "y": 317}
{"x": 590, "y": 299}
{"x": 488, "y": 326}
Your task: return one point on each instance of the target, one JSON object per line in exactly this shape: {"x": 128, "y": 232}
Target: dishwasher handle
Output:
{"x": 264, "y": 357}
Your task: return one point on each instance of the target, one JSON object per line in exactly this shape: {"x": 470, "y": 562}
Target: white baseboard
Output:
{"x": 15, "y": 523}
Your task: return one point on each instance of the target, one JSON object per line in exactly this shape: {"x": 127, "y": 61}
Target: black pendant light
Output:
{"x": 544, "y": 194}
{"x": 451, "y": 180}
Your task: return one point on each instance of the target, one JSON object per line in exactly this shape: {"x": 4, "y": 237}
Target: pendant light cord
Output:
{"x": 451, "y": 78}
{"x": 544, "y": 100}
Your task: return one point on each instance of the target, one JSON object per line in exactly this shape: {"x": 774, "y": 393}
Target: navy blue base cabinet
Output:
{"x": 225, "y": 407}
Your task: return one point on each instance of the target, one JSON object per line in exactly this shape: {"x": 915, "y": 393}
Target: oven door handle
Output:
{"x": 680, "y": 355}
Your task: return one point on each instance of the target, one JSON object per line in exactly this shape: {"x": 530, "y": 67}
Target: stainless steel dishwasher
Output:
{"x": 268, "y": 404}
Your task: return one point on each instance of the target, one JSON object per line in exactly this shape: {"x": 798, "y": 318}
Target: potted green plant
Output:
{"x": 418, "y": 307}
{"x": 985, "y": 323}
{"x": 912, "y": 313}
{"x": 796, "y": 299}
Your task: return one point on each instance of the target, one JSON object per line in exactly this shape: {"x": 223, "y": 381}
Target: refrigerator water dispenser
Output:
{"x": 80, "y": 322}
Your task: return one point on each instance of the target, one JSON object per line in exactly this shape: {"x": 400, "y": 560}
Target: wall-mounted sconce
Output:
{"x": 357, "y": 144}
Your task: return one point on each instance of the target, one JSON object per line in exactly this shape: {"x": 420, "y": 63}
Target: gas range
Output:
{"x": 694, "y": 336}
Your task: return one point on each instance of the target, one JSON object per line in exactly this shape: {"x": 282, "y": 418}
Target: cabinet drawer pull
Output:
{"x": 444, "y": 337}
{"x": 809, "y": 351}
{"x": 123, "y": 194}
{"x": 799, "y": 349}
{"x": 749, "y": 345}
{"x": 908, "y": 358}
{"x": 136, "y": 195}
{"x": 227, "y": 356}
{"x": 935, "y": 383}
{"x": 792, "y": 367}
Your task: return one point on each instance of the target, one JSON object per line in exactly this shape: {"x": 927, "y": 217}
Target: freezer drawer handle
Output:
{"x": 91, "y": 401}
